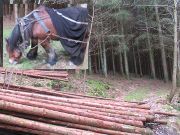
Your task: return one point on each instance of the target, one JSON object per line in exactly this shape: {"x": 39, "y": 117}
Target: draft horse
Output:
{"x": 38, "y": 28}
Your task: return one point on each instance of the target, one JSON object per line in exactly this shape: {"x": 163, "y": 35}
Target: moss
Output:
{"x": 168, "y": 108}
{"x": 137, "y": 95}
{"x": 97, "y": 88}
{"x": 60, "y": 85}
{"x": 36, "y": 84}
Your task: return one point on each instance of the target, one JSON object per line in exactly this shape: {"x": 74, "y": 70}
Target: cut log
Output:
{"x": 90, "y": 109}
{"x": 42, "y": 126}
{"x": 130, "y": 111}
{"x": 69, "y": 117}
{"x": 70, "y": 110}
{"x": 25, "y": 130}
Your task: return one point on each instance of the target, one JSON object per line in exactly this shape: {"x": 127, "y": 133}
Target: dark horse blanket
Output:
{"x": 71, "y": 23}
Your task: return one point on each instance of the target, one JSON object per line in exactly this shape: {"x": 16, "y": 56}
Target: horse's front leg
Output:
{"x": 33, "y": 52}
{"x": 52, "y": 57}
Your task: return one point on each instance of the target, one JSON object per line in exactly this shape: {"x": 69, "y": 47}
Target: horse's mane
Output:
{"x": 15, "y": 37}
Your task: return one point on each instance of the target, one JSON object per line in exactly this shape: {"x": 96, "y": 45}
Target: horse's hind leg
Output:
{"x": 32, "y": 54}
{"x": 52, "y": 57}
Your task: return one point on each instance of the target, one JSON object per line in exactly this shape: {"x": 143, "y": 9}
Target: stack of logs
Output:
{"x": 41, "y": 74}
{"x": 48, "y": 112}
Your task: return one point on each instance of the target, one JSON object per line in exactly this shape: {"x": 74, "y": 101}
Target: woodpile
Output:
{"x": 48, "y": 112}
{"x": 41, "y": 74}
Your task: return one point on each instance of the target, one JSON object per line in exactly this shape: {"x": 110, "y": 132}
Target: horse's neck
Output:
{"x": 15, "y": 37}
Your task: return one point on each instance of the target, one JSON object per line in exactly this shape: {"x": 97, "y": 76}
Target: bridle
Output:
{"x": 24, "y": 23}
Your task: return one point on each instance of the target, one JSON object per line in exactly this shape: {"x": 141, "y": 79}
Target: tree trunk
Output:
{"x": 95, "y": 64}
{"x": 26, "y": 9}
{"x": 121, "y": 63}
{"x": 125, "y": 53}
{"x": 113, "y": 59}
{"x": 135, "y": 63}
{"x": 104, "y": 58}
{"x": 151, "y": 54}
{"x": 99, "y": 60}
{"x": 1, "y": 40}
{"x": 163, "y": 54}
{"x": 101, "y": 57}
{"x": 15, "y": 12}
{"x": 139, "y": 60}
{"x": 175, "y": 63}
{"x": 178, "y": 70}
{"x": 21, "y": 10}
{"x": 90, "y": 66}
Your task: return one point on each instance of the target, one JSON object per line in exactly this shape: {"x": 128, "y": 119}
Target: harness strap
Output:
{"x": 21, "y": 25}
{"x": 40, "y": 21}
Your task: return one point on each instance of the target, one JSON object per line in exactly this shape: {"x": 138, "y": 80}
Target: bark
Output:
{"x": 135, "y": 62}
{"x": 121, "y": 63}
{"x": 139, "y": 61}
{"x": 113, "y": 61}
{"x": 26, "y": 8}
{"x": 125, "y": 52}
{"x": 151, "y": 53}
{"x": 70, "y": 125}
{"x": 70, "y": 110}
{"x": 77, "y": 101}
{"x": 99, "y": 61}
{"x": 90, "y": 66}
{"x": 163, "y": 54}
{"x": 41, "y": 126}
{"x": 104, "y": 58}
{"x": 15, "y": 12}
{"x": 26, "y": 130}
{"x": 38, "y": 90}
{"x": 90, "y": 109}
{"x": 101, "y": 57}
{"x": 9, "y": 106}
{"x": 1, "y": 41}
{"x": 175, "y": 62}
{"x": 77, "y": 98}
{"x": 103, "y": 51}
{"x": 178, "y": 70}
{"x": 108, "y": 101}
{"x": 60, "y": 75}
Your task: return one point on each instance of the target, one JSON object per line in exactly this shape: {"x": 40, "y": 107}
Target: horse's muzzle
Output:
{"x": 13, "y": 62}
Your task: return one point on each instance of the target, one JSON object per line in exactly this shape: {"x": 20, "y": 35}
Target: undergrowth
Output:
{"x": 137, "y": 95}
{"x": 98, "y": 88}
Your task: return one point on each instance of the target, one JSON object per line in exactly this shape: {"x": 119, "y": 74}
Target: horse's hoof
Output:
{"x": 31, "y": 56}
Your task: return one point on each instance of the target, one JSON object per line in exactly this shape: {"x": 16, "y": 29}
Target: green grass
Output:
{"x": 63, "y": 86}
{"x": 137, "y": 95}
{"x": 97, "y": 88}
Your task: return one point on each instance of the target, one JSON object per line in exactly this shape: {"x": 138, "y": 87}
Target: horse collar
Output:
{"x": 24, "y": 43}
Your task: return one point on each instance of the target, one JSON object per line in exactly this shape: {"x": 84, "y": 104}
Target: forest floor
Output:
{"x": 154, "y": 92}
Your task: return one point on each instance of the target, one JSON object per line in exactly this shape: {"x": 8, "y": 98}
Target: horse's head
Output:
{"x": 13, "y": 52}
{"x": 12, "y": 45}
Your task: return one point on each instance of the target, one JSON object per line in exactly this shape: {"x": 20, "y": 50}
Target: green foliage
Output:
{"x": 97, "y": 88}
{"x": 37, "y": 84}
{"x": 107, "y": 3}
{"x": 122, "y": 15}
{"x": 137, "y": 95}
